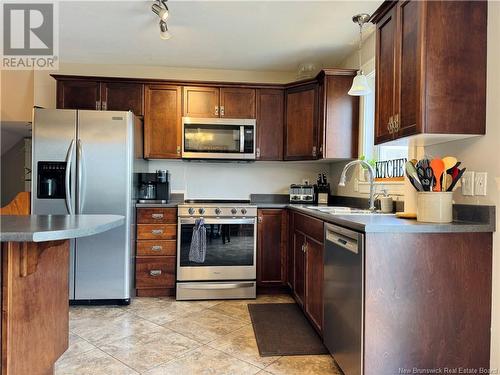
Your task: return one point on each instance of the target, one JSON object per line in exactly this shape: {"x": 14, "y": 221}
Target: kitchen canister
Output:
{"x": 435, "y": 207}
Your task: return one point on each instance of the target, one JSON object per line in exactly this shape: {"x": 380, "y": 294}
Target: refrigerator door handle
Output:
{"x": 81, "y": 176}
{"x": 69, "y": 157}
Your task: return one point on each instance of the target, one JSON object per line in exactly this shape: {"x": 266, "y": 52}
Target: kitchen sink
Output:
{"x": 345, "y": 211}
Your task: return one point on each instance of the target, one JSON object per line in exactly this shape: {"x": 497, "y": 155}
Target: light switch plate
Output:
{"x": 467, "y": 181}
{"x": 480, "y": 183}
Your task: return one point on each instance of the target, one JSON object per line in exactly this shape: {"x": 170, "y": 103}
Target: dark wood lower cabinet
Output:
{"x": 271, "y": 247}
{"x": 307, "y": 265}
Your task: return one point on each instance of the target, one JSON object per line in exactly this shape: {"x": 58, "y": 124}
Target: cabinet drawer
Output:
{"x": 156, "y": 231}
{"x": 310, "y": 226}
{"x": 156, "y": 248}
{"x": 155, "y": 272}
{"x": 156, "y": 216}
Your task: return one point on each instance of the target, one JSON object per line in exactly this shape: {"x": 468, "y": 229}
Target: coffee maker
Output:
{"x": 154, "y": 187}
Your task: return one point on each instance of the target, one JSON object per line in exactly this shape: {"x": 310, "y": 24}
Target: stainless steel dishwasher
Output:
{"x": 343, "y": 297}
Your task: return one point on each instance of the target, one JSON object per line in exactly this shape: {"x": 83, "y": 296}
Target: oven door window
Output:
{"x": 212, "y": 138}
{"x": 227, "y": 245}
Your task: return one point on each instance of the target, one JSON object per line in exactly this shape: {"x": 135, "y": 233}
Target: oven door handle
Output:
{"x": 192, "y": 220}
{"x": 212, "y": 286}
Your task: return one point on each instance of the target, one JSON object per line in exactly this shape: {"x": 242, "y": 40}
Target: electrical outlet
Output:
{"x": 480, "y": 183}
{"x": 467, "y": 181}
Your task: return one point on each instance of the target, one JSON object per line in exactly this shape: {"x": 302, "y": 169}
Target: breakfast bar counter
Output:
{"x": 34, "y": 293}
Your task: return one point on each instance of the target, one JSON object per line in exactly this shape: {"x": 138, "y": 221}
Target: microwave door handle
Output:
{"x": 242, "y": 139}
{"x": 67, "y": 179}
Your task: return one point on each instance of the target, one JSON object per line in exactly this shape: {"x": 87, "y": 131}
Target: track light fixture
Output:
{"x": 160, "y": 8}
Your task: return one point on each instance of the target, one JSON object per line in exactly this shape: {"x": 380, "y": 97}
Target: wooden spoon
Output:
{"x": 447, "y": 181}
{"x": 437, "y": 166}
{"x": 449, "y": 162}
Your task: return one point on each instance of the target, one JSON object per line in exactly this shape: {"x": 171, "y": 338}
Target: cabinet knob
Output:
{"x": 259, "y": 219}
{"x": 104, "y": 106}
{"x": 314, "y": 151}
{"x": 178, "y": 150}
{"x": 257, "y": 152}
{"x": 396, "y": 122}
{"x": 97, "y": 105}
{"x": 221, "y": 111}
{"x": 390, "y": 125}
{"x": 217, "y": 110}
{"x": 155, "y": 273}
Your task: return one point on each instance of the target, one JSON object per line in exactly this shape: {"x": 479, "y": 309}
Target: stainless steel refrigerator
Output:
{"x": 84, "y": 163}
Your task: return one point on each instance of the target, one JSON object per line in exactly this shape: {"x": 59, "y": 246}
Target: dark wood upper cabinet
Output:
{"x": 431, "y": 79}
{"x": 122, "y": 96}
{"x": 314, "y": 282}
{"x": 79, "y": 94}
{"x": 162, "y": 122}
{"x": 271, "y": 247}
{"x": 201, "y": 101}
{"x": 338, "y": 115}
{"x": 270, "y": 124}
{"x": 236, "y": 102}
{"x": 301, "y": 122}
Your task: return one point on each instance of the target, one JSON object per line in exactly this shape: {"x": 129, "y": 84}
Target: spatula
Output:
{"x": 425, "y": 174}
{"x": 437, "y": 166}
{"x": 412, "y": 174}
{"x": 449, "y": 163}
{"x": 456, "y": 179}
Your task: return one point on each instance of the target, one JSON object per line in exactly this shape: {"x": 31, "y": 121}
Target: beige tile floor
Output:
{"x": 161, "y": 336}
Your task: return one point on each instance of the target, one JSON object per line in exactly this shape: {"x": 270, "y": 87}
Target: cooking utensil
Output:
{"x": 456, "y": 179}
{"x": 447, "y": 181}
{"x": 449, "y": 163}
{"x": 412, "y": 174}
{"x": 414, "y": 161}
{"x": 438, "y": 168}
{"x": 425, "y": 174}
{"x": 406, "y": 215}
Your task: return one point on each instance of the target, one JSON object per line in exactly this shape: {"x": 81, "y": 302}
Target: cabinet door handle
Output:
{"x": 259, "y": 219}
{"x": 396, "y": 122}
{"x": 178, "y": 150}
{"x": 104, "y": 106}
{"x": 157, "y": 231}
{"x": 221, "y": 111}
{"x": 314, "y": 151}
{"x": 217, "y": 110}
{"x": 97, "y": 105}
{"x": 257, "y": 152}
{"x": 156, "y": 248}
{"x": 390, "y": 125}
{"x": 155, "y": 273}
{"x": 157, "y": 216}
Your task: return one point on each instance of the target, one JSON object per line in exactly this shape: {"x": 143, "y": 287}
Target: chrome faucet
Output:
{"x": 371, "y": 172}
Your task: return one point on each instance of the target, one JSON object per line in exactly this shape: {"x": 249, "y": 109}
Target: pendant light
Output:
{"x": 360, "y": 84}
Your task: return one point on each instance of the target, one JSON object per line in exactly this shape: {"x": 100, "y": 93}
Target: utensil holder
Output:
{"x": 435, "y": 207}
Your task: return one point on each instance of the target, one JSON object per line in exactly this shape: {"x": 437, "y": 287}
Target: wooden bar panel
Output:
{"x": 34, "y": 308}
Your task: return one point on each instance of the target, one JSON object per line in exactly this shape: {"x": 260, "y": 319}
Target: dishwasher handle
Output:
{"x": 338, "y": 239}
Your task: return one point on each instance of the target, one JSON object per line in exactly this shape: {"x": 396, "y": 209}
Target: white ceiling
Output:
{"x": 240, "y": 35}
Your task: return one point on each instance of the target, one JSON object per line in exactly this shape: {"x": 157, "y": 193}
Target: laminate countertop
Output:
{"x": 40, "y": 228}
{"x": 477, "y": 220}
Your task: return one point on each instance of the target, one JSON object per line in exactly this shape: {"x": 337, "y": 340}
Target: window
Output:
{"x": 369, "y": 150}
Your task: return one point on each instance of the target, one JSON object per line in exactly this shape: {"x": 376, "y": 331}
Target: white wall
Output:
{"x": 481, "y": 154}
{"x": 202, "y": 180}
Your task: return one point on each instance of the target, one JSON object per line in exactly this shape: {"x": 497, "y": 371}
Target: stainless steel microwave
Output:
{"x": 218, "y": 138}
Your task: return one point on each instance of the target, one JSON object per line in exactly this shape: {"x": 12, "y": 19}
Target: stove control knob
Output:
{"x": 191, "y": 210}
{"x": 217, "y": 211}
{"x": 243, "y": 211}
{"x": 201, "y": 211}
{"x": 233, "y": 211}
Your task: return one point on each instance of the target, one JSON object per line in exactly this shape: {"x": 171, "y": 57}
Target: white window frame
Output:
{"x": 394, "y": 188}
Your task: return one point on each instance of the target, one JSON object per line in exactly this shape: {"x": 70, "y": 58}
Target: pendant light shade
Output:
{"x": 360, "y": 84}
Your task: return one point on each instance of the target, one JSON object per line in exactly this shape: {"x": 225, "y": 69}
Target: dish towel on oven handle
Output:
{"x": 198, "y": 248}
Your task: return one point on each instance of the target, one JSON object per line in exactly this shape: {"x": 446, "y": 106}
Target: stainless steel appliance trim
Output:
{"x": 213, "y": 290}
{"x": 360, "y": 240}
{"x": 242, "y": 139}
{"x": 192, "y": 220}
{"x": 217, "y": 272}
{"x": 67, "y": 179}
{"x": 342, "y": 241}
{"x": 205, "y": 286}
{"x": 219, "y": 121}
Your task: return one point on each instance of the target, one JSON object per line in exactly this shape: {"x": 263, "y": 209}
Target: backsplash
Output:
{"x": 209, "y": 180}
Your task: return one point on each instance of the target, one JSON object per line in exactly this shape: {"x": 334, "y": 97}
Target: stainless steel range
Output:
{"x": 228, "y": 266}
